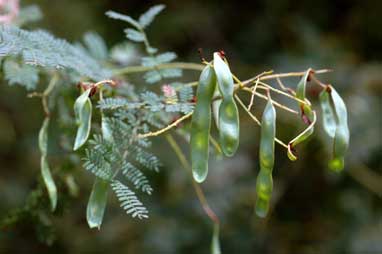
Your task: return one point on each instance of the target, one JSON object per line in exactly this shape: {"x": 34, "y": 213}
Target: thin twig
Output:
{"x": 254, "y": 118}
{"x": 277, "y": 104}
{"x": 266, "y": 86}
{"x": 180, "y": 65}
{"x": 168, "y": 127}
{"x": 283, "y": 87}
{"x": 253, "y": 95}
{"x": 199, "y": 192}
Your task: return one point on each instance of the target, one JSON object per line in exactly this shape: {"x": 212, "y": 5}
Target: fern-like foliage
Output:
{"x": 177, "y": 102}
{"x": 21, "y": 74}
{"x": 129, "y": 201}
{"x": 137, "y": 34}
{"x": 40, "y": 48}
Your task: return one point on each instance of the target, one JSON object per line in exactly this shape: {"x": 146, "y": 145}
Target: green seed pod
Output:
{"x": 264, "y": 188}
{"x": 83, "y": 114}
{"x": 45, "y": 171}
{"x": 229, "y": 128}
{"x": 307, "y": 114}
{"x": 264, "y": 182}
{"x": 268, "y": 133}
{"x": 342, "y": 135}
{"x": 328, "y": 115}
{"x": 97, "y": 203}
{"x": 306, "y": 110}
{"x": 215, "y": 244}
{"x": 201, "y": 124}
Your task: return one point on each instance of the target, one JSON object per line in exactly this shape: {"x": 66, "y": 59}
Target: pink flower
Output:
{"x": 9, "y": 9}
{"x": 168, "y": 91}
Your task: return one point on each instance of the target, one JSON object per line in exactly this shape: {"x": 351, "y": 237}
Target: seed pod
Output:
{"x": 97, "y": 203}
{"x": 328, "y": 115}
{"x": 342, "y": 135}
{"x": 83, "y": 114}
{"x": 215, "y": 244}
{"x": 264, "y": 182}
{"x": 264, "y": 188}
{"x": 45, "y": 171}
{"x": 307, "y": 115}
{"x": 215, "y": 106}
{"x": 229, "y": 128}
{"x": 305, "y": 109}
{"x": 201, "y": 124}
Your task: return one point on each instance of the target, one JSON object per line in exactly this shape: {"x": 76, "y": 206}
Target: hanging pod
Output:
{"x": 98, "y": 197}
{"x": 215, "y": 244}
{"x": 229, "y": 128}
{"x": 201, "y": 124}
{"x": 97, "y": 203}
{"x": 83, "y": 114}
{"x": 340, "y": 133}
{"x": 307, "y": 115}
{"x": 45, "y": 171}
{"x": 264, "y": 182}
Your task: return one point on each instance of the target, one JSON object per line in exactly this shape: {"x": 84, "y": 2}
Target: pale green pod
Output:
{"x": 97, "y": 203}
{"x": 328, "y": 114}
{"x": 268, "y": 134}
{"x": 201, "y": 124}
{"x": 229, "y": 125}
{"x": 264, "y": 182}
{"x": 342, "y": 134}
{"x": 264, "y": 188}
{"x": 45, "y": 171}
{"x": 215, "y": 244}
{"x": 83, "y": 114}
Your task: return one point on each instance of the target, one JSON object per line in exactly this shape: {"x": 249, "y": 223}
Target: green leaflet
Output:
{"x": 264, "y": 182}
{"x": 83, "y": 114}
{"x": 201, "y": 124}
{"x": 97, "y": 203}
{"x": 328, "y": 115}
{"x": 215, "y": 245}
{"x": 229, "y": 127}
{"x": 45, "y": 171}
{"x": 342, "y": 135}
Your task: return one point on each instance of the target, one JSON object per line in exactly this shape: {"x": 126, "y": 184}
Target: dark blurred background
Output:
{"x": 315, "y": 211}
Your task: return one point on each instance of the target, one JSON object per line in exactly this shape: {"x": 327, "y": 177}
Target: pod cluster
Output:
{"x": 215, "y": 82}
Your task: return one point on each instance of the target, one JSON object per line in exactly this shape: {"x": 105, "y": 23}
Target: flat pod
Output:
{"x": 83, "y": 114}
{"x": 264, "y": 188}
{"x": 306, "y": 110}
{"x": 97, "y": 203}
{"x": 264, "y": 182}
{"x": 201, "y": 124}
{"x": 45, "y": 171}
{"x": 215, "y": 244}
{"x": 229, "y": 130}
{"x": 342, "y": 135}
{"x": 228, "y": 122}
{"x": 268, "y": 133}
{"x": 307, "y": 114}
{"x": 328, "y": 115}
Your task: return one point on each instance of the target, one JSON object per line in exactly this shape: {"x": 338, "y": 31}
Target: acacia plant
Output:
{"x": 114, "y": 121}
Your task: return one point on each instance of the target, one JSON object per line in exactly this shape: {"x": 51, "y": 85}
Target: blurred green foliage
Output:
{"x": 315, "y": 211}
